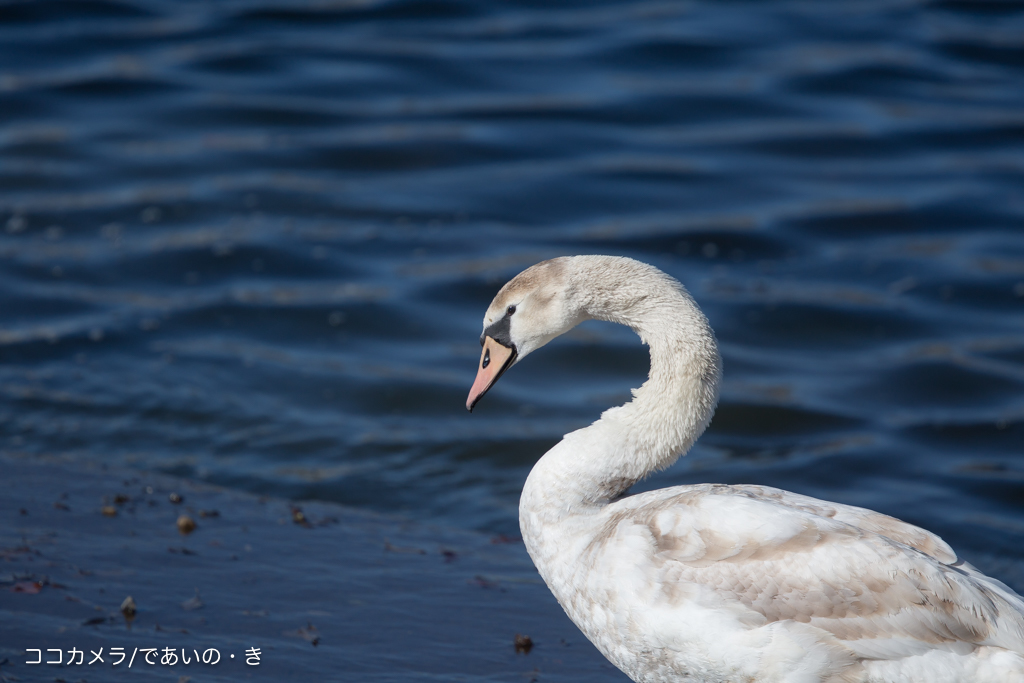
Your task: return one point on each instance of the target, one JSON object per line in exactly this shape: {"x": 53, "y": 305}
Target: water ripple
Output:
{"x": 252, "y": 241}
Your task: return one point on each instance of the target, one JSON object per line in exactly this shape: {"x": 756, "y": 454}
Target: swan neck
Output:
{"x": 669, "y": 411}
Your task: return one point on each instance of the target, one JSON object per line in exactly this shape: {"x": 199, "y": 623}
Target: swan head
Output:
{"x": 533, "y": 308}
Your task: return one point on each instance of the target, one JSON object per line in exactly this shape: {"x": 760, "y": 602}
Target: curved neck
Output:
{"x": 667, "y": 414}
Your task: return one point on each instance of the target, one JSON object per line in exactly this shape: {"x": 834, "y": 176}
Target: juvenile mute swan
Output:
{"x": 723, "y": 583}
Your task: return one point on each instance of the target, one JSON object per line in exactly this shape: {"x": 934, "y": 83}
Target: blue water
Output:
{"x": 252, "y": 241}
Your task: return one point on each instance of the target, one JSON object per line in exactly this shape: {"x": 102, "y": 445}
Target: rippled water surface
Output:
{"x": 252, "y": 241}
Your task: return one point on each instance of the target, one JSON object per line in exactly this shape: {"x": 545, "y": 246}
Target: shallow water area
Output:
{"x": 250, "y": 243}
{"x": 255, "y": 588}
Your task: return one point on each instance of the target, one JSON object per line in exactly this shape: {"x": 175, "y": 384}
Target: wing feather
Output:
{"x": 882, "y": 587}
{"x": 869, "y": 520}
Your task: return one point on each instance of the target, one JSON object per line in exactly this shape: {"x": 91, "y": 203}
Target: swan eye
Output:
{"x": 511, "y": 309}
{"x": 487, "y": 359}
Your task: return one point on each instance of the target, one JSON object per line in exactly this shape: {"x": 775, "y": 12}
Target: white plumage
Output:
{"x": 724, "y": 583}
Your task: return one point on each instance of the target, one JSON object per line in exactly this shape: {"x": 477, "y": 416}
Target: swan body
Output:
{"x": 717, "y": 583}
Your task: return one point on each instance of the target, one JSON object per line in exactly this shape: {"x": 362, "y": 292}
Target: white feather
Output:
{"x": 729, "y": 583}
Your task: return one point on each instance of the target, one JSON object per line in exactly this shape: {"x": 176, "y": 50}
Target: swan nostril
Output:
{"x": 487, "y": 359}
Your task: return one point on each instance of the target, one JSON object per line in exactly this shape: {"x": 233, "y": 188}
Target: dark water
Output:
{"x": 251, "y": 241}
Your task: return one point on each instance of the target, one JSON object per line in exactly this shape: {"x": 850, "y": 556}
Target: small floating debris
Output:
{"x": 299, "y": 517}
{"x": 483, "y": 582}
{"x": 121, "y": 499}
{"x": 29, "y": 587}
{"x": 193, "y": 603}
{"x": 523, "y": 644}
{"x": 209, "y": 513}
{"x": 186, "y": 525}
{"x": 175, "y": 498}
{"x": 403, "y": 549}
{"x": 309, "y": 634}
{"x": 502, "y": 538}
{"x": 109, "y": 511}
{"x": 183, "y": 550}
{"x": 128, "y": 609}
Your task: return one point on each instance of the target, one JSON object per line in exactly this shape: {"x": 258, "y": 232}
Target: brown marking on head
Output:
{"x": 530, "y": 280}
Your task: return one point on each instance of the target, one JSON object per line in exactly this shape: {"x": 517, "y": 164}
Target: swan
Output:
{"x": 718, "y": 583}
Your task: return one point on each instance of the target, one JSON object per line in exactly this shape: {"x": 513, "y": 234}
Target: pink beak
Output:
{"x": 494, "y": 360}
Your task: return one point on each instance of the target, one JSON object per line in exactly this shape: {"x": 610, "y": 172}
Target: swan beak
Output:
{"x": 495, "y": 359}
